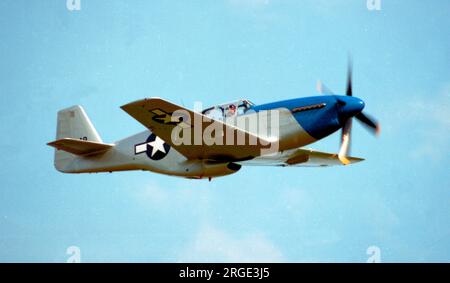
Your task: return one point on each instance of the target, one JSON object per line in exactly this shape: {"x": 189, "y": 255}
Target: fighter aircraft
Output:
{"x": 174, "y": 143}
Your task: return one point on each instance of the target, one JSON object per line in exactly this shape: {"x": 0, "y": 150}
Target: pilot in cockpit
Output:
{"x": 231, "y": 110}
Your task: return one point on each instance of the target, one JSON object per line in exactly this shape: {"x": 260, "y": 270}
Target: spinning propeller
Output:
{"x": 350, "y": 107}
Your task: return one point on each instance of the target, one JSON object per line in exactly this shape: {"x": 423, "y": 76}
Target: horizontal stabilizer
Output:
{"x": 80, "y": 147}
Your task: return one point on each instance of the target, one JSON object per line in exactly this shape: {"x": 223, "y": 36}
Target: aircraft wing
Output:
{"x": 161, "y": 117}
{"x": 299, "y": 158}
{"x": 80, "y": 147}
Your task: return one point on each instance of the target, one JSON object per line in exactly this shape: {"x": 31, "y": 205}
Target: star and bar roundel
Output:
{"x": 154, "y": 147}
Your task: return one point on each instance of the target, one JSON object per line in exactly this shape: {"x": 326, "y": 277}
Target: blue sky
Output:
{"x": 113, "y": 52}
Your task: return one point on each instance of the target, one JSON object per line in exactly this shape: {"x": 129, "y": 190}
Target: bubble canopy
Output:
{"x": 226, "y": 110}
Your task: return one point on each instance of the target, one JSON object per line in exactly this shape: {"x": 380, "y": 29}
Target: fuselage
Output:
{"x": 318, "y": 116}
{"x": 302, "y": 121}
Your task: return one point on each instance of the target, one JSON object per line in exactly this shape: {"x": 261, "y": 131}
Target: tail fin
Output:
{"x": 73, "y": 123}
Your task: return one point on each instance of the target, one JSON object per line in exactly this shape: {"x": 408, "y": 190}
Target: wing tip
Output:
{"x": 355, "y": 160}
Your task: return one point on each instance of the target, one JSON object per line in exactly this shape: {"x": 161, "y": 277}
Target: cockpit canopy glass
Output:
{"x": 228, "y": 110}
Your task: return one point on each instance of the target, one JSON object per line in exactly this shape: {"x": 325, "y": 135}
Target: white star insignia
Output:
{"x": 157, "y": 145}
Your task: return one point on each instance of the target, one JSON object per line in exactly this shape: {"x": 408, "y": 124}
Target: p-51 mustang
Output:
{"x": 173, "y": 144}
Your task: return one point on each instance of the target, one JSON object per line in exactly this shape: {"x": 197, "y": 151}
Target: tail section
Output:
{"x": 74, "y": 123}
{"x": 75, "y": 131}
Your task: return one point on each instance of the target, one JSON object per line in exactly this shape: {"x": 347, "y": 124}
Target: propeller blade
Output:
{"x": 323, "y": 89}
{"x": 366, "y": 120}
{"x": 369, "y": 122}
{"x": 349, "y": 90}
{"x": 345, "y": 142}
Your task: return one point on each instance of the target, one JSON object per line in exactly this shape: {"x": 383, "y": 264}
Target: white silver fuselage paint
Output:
{"x": 123, "y": 155}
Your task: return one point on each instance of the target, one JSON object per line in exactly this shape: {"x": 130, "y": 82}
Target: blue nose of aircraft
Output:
{"x": 349, "y": 106}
